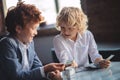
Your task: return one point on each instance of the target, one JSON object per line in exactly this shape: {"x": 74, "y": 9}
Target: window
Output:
{"x": 63, "y": 3}
{"x": 49, "y": 8}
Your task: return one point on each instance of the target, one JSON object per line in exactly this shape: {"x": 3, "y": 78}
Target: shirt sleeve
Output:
{"x": 60, "y": 50}
{"x": 42, "y": 71}
{"x": 93, "y": 51}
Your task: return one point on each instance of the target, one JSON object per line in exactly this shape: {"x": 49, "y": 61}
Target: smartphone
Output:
{"x": 110, "y": 57}
{"x": 68, "y": 63}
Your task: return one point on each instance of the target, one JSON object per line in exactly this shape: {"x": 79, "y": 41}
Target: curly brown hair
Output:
{"x": 21, "y": 15}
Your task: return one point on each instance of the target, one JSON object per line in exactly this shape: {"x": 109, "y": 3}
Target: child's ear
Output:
{"x": 18, "y": 29}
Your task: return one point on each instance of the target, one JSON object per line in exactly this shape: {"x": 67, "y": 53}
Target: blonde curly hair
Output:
{"x": 70, "y": 16}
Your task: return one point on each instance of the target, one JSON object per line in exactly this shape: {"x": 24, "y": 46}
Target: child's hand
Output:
{"x": 54, "y": 75}
{"x": 71, "y": 63}
{"x": 104, "y": 63}
{"x": 74, "y": 64}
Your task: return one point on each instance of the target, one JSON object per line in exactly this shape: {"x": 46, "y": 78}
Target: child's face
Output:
{"x": 69, "y": 32}
{"x": 27, "y": 33}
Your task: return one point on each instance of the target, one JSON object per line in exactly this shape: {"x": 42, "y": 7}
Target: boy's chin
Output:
{"x": 67, "y": 37}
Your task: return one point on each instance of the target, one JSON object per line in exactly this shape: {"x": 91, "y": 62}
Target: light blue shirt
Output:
{"x": 25, "y": 63}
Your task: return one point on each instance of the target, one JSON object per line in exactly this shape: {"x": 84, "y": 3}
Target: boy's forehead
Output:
{"x": 66, "y": 24}
{"x": 32, "y": 24}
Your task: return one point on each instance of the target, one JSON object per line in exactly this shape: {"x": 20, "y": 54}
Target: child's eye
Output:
{"x": 62, "y": 27}
{"x": 70, "y": 29}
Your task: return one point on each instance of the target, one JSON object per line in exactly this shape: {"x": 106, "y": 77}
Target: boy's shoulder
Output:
{"x": 59, "y": 37}
{"x": 87, "y": 32}
{"x": 8, "y": 40}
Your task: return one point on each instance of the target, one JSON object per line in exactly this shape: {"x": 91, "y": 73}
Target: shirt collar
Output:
{"x": 23, "y": 45}
{"x": 79, "y": 36}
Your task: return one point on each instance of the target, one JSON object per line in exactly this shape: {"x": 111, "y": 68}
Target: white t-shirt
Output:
{"x": 68, "y": 50}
